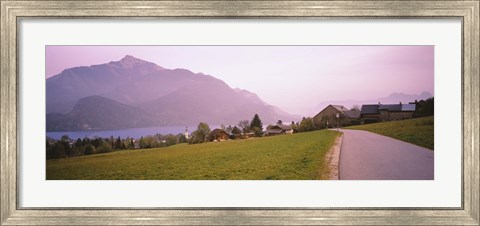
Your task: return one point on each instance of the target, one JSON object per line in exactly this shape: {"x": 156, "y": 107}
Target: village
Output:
{"x": 332, "y": 116}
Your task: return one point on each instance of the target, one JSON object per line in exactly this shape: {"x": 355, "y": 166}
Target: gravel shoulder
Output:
{"x": 333, "y": 158}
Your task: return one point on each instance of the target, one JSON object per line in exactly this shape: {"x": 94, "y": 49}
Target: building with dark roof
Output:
{"x": 353, "y": 114}
{"x": 370, "y": 113}
{"x": 218, "y": 135}
{"x": 278, "y": 129}
{"x": 386, "y": 112}
{"x": 328, "y": 117}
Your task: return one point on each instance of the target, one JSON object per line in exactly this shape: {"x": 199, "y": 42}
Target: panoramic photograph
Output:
{"x": 239, "y": 112}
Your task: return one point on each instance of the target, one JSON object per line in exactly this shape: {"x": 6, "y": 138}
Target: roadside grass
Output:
{"x": 417, "y": 131}
{"x": 287, "y": 157}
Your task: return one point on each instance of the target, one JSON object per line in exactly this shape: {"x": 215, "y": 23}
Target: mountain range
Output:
{"x": 134, "y": 93}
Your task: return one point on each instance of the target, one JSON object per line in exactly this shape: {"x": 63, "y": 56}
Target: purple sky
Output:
{"x": 293, "y": 78}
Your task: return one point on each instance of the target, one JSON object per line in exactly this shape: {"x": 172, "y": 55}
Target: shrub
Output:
{"x": 355, "y": 122}
{"x": 89, "y": 149}
{"x": 104, "y": 148}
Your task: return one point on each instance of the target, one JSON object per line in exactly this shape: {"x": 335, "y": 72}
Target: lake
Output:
{"x": 123, "y": 133}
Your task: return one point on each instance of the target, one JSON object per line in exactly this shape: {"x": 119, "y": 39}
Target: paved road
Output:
{"x": 369, "y": 156}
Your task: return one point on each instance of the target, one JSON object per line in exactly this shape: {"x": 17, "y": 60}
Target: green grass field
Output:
{"x": 287, "y": 157}
{"x": 417, "y": 131}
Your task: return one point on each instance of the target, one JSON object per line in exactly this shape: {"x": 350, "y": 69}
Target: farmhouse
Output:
{"x": 386, "y": 112}
{"x": 370, "y": 113}
{"x": 327, "y": 117}
{"x": 218, "y": 135}
{"x": 278, "y": 129}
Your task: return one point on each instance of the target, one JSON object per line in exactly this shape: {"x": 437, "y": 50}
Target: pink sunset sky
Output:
{"x": 293, "y": 78}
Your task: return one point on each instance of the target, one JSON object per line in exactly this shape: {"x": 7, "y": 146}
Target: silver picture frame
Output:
{"x": 13, "y": 11}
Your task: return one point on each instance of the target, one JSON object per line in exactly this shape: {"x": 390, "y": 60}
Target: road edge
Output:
{"x": 333, "y": 158}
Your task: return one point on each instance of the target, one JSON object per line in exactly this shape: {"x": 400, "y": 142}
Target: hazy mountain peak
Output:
{"x": 131, "y": 59}
{"x": 395, "y": 95}
{"x": 426, "y": 94}
{"x": 246, "y": 93}
{"x": 422, "y": 95}
{"x": 252, "y": 96}
{"x": 131, "y": 62}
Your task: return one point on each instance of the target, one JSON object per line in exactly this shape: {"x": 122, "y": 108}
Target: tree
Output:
{"x": 118, "y": 143}
{"x": 111, "y": 141}
{"x": 86, "y": 141}
{"x": 195, "y": 138}
{"x": 257, "y": 126}
{"x": 257, "y": 131}
{"x": 306, "y": 125}
{"x": 355, "y": 108}
{"x": 49, "y": 149}
{"x": 294, "y": 127}
{"x": 78, "y": 148}
{"x": 426, "y": 107}
{"x": 142, "y": 143}
{"x": 181, "y": 138}
{"x": 201, "y": 134}
{"x": 58, "y": 150}
{"x": 97, "y": 141}
{"x": 66, "y": 150}
{"x": 236, "y": 131}
{"x": 78, "y": 142}
{"x": 89, "y": 149}
{"x": 279, "y": 122}
{"x": 149, "y": 142}
{"x": 256, "y": 122}
{"x": 65, "y": 138}
{"x": 171, "y": 139}
{"x": 244, "y": 125}
{"x": 131, "y": 144}
{"x": 204, "y": 129}
{"x": 104, "y": 148}
{"x": 229, "y": 129}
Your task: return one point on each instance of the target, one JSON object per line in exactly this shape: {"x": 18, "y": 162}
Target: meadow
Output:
{"x": 298, "y": 156}
{"x": 417, "y": 131}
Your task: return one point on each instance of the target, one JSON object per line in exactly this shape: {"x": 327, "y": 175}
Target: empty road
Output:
{"x": 369, "y": 156}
